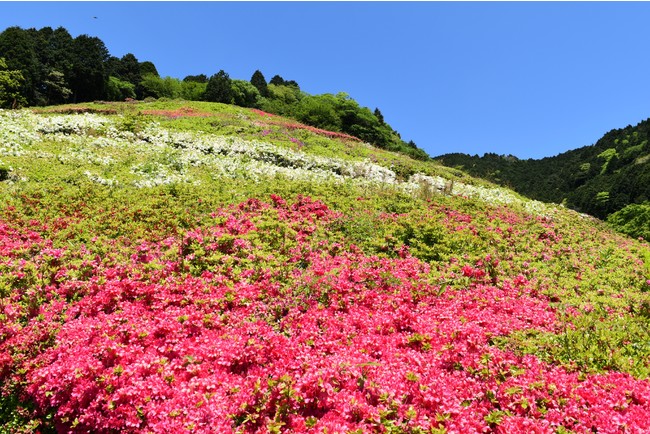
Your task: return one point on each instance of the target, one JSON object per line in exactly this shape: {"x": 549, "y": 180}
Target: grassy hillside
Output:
{"x": 600, "y": 179}
{"x": 177, "y": 267}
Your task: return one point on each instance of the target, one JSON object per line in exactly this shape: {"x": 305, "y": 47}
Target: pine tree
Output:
{"x": 259, "y": 82}
{"x": 379, "y": 116}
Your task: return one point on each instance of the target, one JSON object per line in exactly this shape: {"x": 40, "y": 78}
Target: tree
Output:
{"x": 55, "y": 56}
{"x": 11, "y": 82}
{"x": 119, "y": 90}
{"x": 260, "y": 83}
{"x": 319, "y": 111}
{"x": 148, "y": 68}
{"x": 279, "y": 81}
{"x": 193, "y": 90}
{"x": 379, "y": 116}
{"x": 89, "y": 77}
{"x": 130, "y": 69}
{"x": 219, "y": 88}
{"x": 245, "y": 94}
{"x": 157, "y": 87}
{"x": 19, "y": 51}
{"x": 201, "y": 78}
{"x": 55, "y": 88}
{"x": 276, "y": 80}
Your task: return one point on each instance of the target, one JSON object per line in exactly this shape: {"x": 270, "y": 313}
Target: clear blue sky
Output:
{"x": 528, "y": 79}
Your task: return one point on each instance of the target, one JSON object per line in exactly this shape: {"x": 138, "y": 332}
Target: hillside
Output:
{"x": 202, "y": 267}
{"x": 600, "y": 179}
{"x": 41, "y": 67}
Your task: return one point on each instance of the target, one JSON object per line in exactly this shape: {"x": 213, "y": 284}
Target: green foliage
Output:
{"x": 633, "y": 220}
{"x": 18, "y": 48}
{"x": 602, "y": 197}
{"x": 157, "y": 87}
{"x": 192, "y": 90}
{"x": 118, "y": 90}
{"x": 57, "y": 69}
{"x": 219, "y": 88}
{"x": 148, "y": 68}
{"x": 320, "y": 111}
{"x": 596, "y": 281}
{"x": 607, "y": 155}
{"x": 55, "y": 88}
{"x": 10, "y": 86}
{"x": 244, "y": 94}
{"x": 201, "y": 78}
{"x": 260, "y": 83}
{"x": 88, "y": 76}
{"x": 617, "y": 164}
{"x": 591, "y": 344}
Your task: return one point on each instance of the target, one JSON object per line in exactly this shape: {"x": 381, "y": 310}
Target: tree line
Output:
{"x": 50, "y": 67}
{"x": 609, "y": 179}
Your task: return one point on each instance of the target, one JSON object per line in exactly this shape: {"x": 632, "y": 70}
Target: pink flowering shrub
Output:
{"x": 298, "y": 126}
{"x": 178, "y": 113}
{"x": 271, "y": 317}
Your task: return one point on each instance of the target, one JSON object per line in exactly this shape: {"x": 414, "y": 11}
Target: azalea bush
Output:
{"x": 144, "y": 290}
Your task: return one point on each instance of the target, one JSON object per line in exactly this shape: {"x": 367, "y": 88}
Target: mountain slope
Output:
{"x": 195, "y": 267}
{"x": 599, "y": 179}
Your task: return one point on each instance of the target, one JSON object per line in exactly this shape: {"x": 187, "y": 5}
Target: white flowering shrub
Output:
{"x": 157, "y": 156}
{"x": 16, "y": 132}
{"x": 71, "y": 124}
{"x": 100, "y": 180}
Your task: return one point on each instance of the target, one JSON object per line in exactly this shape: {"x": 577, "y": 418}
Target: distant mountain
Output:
{"x": 599, "y": 179}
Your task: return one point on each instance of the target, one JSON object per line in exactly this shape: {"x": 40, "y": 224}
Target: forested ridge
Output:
{"x": 609, "y": 179}
{"x": 49, "y": 67}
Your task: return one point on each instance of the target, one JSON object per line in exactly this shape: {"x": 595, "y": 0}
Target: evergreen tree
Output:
{"x": 201, "y": 78}
{"x": 19, "y": 51}
{"x": 259, "y": 82}
{"x": 88, "y": 74}
{"x": 148, "y": 68}
{"x": 219, "y": 88}
{"x": 54, "y": 52}
{"x": 379, "y": 116}
{"x": 55, "y": 90}
{"x": 277, "y": 80}
{"x": 129, "y": 69}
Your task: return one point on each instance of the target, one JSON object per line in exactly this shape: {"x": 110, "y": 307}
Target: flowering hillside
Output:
{"x": 174, "y": 268}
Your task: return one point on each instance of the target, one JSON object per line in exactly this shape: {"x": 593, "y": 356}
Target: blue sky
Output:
{"x": 529, "y": 79}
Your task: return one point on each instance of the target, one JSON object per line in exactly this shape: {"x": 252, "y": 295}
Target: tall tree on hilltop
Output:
{"x": 19, "y": 51}
{"x": 57, "y": 61}
{"x": 129, "y": 69}
{"x": 148, "y": 68}
{"x": 89, "y": 75}
{"x": 201, "y": 78}
{"x": 260, "y": 83}
{"x": 219, "y": 88}
{"x": 379, "y": 116}
{"x": 277, "y": 80}
{"x": 54, "y": 53}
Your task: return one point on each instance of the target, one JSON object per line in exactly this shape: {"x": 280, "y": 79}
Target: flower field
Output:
{"x": 159, "y": 273}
